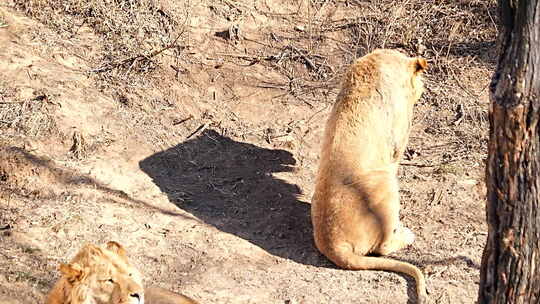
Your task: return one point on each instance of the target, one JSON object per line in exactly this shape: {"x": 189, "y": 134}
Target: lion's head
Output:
{"x": 402, "y": 67}
{"x": 99, "y": 275}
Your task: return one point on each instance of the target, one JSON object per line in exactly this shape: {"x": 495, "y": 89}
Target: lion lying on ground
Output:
{"x": 103, "y": 275}
{"x": 355, "y": 208}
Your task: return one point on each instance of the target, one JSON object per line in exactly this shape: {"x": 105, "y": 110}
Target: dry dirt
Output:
{"x": 189, "y": 131}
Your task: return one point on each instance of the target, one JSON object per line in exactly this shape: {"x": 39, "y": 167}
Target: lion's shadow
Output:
{"x": 229, "y": 184}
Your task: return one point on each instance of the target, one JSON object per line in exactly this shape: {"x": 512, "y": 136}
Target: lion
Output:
{"x": 157, "y": 295}
{"x": 103, "y": 275}
{"x": 355, "y": 206}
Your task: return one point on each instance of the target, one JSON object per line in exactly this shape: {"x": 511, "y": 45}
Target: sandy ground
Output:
{"x": 204, "y": 167}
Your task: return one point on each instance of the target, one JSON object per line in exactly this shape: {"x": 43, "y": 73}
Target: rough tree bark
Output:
{"x": 510, "y": 271}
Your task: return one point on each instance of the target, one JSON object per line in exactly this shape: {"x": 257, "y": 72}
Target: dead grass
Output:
{"x": 31, "y": 117}
{"x": 3, "y": 22}
{"x": 132, "y": 31}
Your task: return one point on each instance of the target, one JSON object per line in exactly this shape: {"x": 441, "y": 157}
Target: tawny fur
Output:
{"x": 98, "y": 275}
{"x": 355, "y": 208}
{"x": 86, "y": 280}
{"x": 157, "y": 295}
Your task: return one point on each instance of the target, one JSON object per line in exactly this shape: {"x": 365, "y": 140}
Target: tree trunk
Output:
{"x": 509, "y": 272}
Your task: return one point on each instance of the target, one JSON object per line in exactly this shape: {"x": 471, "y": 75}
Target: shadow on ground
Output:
{"x": 231, "y": 186}
{"x": 19, "y": 169}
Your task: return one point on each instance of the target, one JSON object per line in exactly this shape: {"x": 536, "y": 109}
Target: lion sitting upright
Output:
{"x": 103, "y": 275}
{"x": 355, "y": 208}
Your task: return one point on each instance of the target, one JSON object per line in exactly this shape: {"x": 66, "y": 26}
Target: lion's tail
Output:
{"x": 349, "y": 260}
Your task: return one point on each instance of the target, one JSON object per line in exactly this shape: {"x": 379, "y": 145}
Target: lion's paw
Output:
{"x": 408, "y": 235}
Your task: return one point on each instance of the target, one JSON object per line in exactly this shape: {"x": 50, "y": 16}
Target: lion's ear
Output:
{"x": 73, "y": 272}
{"x": 420, "y": 65}
{"x": 117, "y": 248}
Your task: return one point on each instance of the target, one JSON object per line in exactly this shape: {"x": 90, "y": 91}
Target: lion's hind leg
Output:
{"x": 384, "y": 206}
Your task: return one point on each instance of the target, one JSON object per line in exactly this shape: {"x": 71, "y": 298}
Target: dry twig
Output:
{"x": 134, "y": 59}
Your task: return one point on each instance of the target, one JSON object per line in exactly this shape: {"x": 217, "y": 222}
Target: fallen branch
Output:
{"x": 201, "y": 129}
{"x": 308, "y": 61}
{"x": 182, "y": 120}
